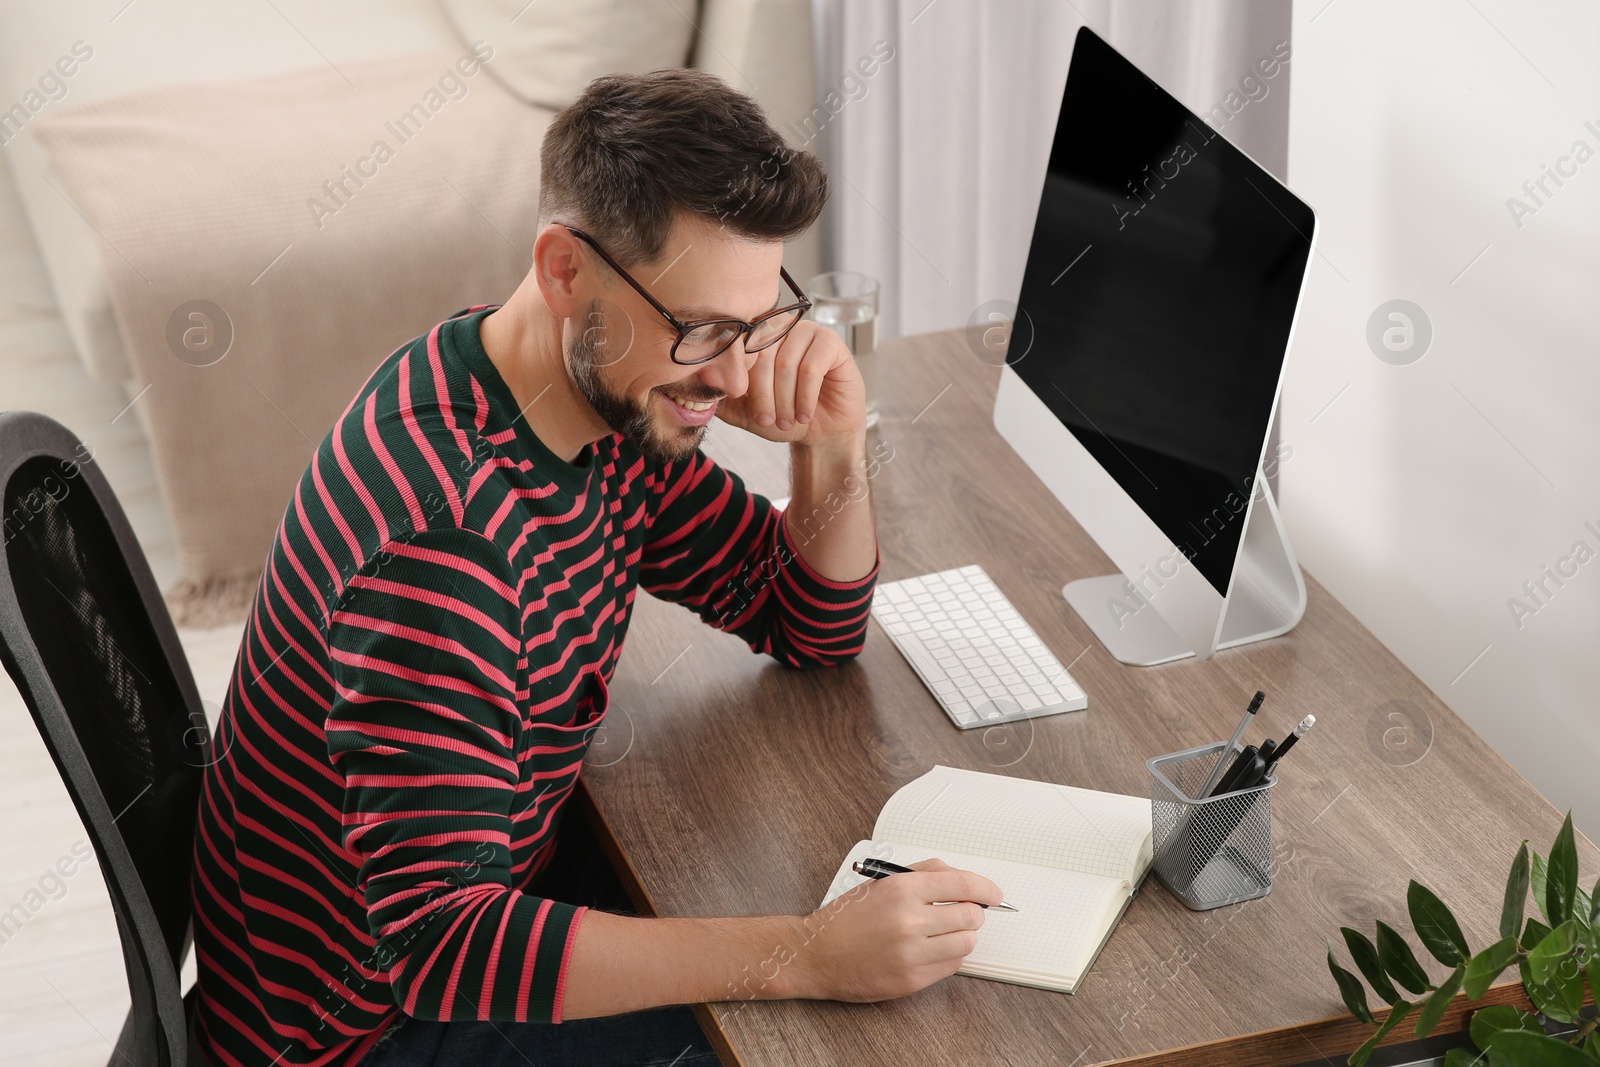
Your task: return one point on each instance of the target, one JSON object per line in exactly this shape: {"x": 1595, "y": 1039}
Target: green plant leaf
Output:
{"x": 1557, "y": 946}
{"x": 1592, "y": 1045}
{"x": 1350, "y": 988}
{"x": 1561, "y": 885}
{"x": 1487, "y": 965}
{"x": 1539, "y": 1050}
{"x": 1436, "y": 927}
{"x": 1533, "y": 933}
{"x": 1359, "y": 1057}
{"x": 1434, "y": 1007}
{"x": 1463, "y": 1057}
{"x": 1568, "y": 984}
{"x": 1398, "y": 959}
{"x": 1594, "y": 974}
{"x": 1488, "y": 1023}
{"x": 1594, "y": 911}
{"x": 1539, "y": 877}
{"x": 1516, "y": 894}
{"x": 1559, "y": 1000}
{"x": 1366, "y": 957}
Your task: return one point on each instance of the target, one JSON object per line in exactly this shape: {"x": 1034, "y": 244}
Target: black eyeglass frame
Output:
{"x": 684, "y": 328}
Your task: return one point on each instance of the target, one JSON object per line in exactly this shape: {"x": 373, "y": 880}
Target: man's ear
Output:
{"x": 564, "y": 278}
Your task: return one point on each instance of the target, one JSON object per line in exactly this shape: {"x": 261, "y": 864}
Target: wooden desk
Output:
{"x": 733, "y": 786}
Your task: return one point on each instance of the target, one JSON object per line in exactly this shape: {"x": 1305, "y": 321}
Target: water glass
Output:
{"x": 847, "y": 302}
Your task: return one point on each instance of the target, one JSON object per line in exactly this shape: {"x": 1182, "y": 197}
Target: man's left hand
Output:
{"x": 805, "y": 390}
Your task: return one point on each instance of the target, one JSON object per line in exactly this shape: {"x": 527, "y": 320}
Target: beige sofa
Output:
{"x": 158, "y": 42}
{"x": 167, "y": 155}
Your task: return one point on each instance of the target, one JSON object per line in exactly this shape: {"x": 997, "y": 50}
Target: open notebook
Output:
{"x": 1070, "y": 859}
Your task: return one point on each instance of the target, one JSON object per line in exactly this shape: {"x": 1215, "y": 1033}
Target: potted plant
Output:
{"x": 1556, "y": 958}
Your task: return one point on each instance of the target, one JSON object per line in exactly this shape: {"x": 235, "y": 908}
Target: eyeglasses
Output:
{"x": 707, "y": 339}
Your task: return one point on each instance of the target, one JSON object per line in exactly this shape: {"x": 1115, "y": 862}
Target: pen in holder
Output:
{"x": 1209, "y": 851}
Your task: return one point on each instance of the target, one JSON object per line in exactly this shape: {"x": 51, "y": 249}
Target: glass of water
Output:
{"x": 847, "y": 302}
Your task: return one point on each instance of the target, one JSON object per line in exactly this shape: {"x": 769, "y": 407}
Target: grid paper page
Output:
{"x": 1060, "y": 920}
{"x": 1020, "y": 819}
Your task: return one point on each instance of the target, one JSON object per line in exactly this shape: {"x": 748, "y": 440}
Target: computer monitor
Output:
{"x": 1145, "y": 358}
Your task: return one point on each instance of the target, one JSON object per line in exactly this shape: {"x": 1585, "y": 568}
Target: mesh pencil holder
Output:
{"x": 1211, "y": 851}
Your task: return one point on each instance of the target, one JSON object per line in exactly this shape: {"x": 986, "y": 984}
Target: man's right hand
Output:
{"x": 880, "y": 940}
{"x": 887, "y": 938}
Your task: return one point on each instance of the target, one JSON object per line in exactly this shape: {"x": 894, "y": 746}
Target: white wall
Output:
{"x": 1426, "y": 494}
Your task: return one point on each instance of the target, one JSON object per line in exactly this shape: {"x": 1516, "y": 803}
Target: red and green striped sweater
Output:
{"x": 425, "y": 661}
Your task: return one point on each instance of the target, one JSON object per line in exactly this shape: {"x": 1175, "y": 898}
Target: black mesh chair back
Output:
{"x": 86, "y": 636}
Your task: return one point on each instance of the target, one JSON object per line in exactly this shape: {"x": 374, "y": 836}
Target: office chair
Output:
{"x": 86, "y": 636}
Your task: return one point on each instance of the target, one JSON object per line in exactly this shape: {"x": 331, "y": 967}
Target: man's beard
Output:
{"x": 587, "y": 355}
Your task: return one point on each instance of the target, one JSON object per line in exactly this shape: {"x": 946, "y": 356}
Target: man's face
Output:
{"x": 618, "y": 351}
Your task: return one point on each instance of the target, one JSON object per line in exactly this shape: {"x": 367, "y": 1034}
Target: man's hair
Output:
{"x": 636, "y": 149}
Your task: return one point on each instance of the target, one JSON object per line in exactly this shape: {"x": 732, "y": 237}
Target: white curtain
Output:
{"x": 935, "y": 119}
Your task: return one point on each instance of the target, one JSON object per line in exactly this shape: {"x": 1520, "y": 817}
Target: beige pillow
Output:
{"x": 546, "y": 51}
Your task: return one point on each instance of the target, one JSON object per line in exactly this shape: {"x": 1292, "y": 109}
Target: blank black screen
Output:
{"x": 1160, "y": 289}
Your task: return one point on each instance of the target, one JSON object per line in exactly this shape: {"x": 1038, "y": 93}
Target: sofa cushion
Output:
{"x": 146, "y": 46}
{"x": 269, "y": 242}
{"x": 547, "y": 52}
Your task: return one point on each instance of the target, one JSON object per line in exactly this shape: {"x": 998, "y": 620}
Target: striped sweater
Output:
{"x": 424, "y": 663}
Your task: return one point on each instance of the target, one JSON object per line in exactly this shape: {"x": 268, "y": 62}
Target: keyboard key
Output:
{"x": 912, "y": 648}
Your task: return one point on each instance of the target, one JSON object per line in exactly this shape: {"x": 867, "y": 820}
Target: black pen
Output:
{"x": 1249, "y": 765}
{"x": 876, "y": 868}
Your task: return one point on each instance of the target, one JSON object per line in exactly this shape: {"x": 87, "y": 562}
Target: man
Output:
{"x": 428, "y": 652}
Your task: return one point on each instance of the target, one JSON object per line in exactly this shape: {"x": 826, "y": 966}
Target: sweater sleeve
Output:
{"x": 427, "y": 657}
{"x": 726, "y": 554}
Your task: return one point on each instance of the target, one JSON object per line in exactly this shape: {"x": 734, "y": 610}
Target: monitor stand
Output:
{"x": 1268, "y": 597}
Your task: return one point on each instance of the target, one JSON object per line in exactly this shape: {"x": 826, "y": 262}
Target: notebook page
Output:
{"x": 1019, "y": 819}
{"x": 1061, "y": 919}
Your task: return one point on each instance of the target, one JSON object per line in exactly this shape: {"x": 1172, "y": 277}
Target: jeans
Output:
{"x": 664, "y": 1037}
{"x": 578, "y": 874}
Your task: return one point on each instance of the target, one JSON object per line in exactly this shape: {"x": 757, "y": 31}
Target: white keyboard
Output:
{"x": 972, "y": 649}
